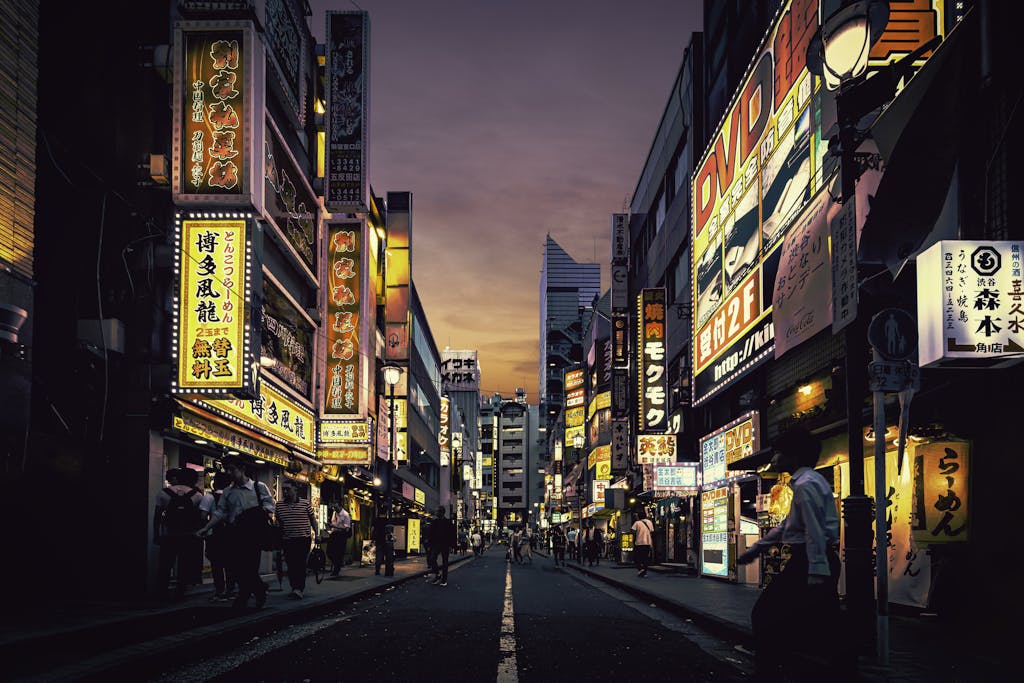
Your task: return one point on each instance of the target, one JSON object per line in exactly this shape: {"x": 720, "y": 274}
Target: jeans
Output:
{"x": 296, "y": 554}
{"x": 643, "y": 557}
{"x": 385, "y": 556}
{"x": 441, "y": 569}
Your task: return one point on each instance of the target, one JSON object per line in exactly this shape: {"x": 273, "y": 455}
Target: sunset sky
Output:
{"x": 509, "y": 119}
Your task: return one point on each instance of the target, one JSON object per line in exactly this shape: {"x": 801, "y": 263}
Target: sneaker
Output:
{"x": 436, "y": 581}
{"x": 443, "y": 583}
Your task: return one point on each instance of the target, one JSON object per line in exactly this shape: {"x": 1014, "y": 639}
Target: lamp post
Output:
{"x": 838, "y": 53}
{"x": 392, "y": 376}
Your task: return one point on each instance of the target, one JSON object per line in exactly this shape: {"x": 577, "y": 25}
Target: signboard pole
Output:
{"x": 881, "y": 545}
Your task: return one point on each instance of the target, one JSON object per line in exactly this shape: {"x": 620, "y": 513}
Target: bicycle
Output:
{"x": 317, "y": 563}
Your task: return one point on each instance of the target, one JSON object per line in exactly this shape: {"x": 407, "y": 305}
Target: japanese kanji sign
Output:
{"x": 941, "y": 472}
{"x": 970, "y": 302}
{"x": 289, "y": 200}
{"x": 344, "y": 431}
{"x": 678, "y": 477}
{"x": 724, "y": 446}
{"x": 802, "y": 297}
{"x": 272, "y": 413}
{"x": 654, "y": 449}
{"x": 651, "y": 362}
{"x": 343, "y": 324}
{"x": 348, "y": 86}
{"x": 460, "y": 371}
{"x": 213, "y": 137}
{"x": 344, "y": 455}
{"x": 444, "y": 441}
{"x": 212, "y": 258}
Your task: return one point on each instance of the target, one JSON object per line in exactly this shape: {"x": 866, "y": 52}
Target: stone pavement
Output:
{"x": 922, "y": 648}
{"x": 75, "y": 641}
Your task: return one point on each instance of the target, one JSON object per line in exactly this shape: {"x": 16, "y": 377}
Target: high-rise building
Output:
{"x": 567, "y": 293}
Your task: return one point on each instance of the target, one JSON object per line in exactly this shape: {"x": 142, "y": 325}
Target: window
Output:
{"x": 659, "y": 212}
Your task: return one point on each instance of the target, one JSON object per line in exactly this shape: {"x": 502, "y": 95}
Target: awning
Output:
{"x": 918, "y": 137}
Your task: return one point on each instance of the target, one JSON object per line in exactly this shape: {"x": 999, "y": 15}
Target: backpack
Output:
{"x": 181, "y": 516}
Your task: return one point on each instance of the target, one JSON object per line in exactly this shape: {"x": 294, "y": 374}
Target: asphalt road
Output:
{"x": 555, "y": 627}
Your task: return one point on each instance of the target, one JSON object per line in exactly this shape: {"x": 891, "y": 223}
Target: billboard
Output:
{"x": 970, "y": 303}
{"x": 289, "y": 202}
{"x": 620, "y": 237}
{"x": 211, "y": 337}
{"x": 344, "y": 455}
{"x": 444, "y": 433}
{"x": 755, "y": 176}
{"x": 654, "y": 449}
{"x": 286, "y": 338}
{"x": 343, "y": 324}
{"x": 460, "y": 371}
{"x": 677, "y": 477}
{"x": 344, "y": 431}
{"x": 274, "y": 413}
{"x": 724, "y": 446}
{"x": 651, "y": 380}
{"x": 218, "y": 78}
{"x": 347, "y": 120}
{"x": 714, "y": 536}
{"x": 600, "y": 459}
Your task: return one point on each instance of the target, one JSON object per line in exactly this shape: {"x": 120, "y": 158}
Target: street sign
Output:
{"x": 843, "y": 227}
{"x": 887, "y": 375}
{"x": 893, "y": 334}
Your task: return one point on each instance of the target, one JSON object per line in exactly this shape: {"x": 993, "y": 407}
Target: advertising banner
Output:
{"x": 600, "y": 459}
{"x": 620, "y": 237}
{"x": 190, "y": 423}
{"x": 217, "y": 67}
{"x": 213, "y": 263}
{"x": 344, "y": 431}
{"x": 444, "y": 433}
{"x": 460, "y": 371}
{"x": 286, "y": 45}
{"x": 289, "y": 202}
{"x": 942, "y": 471}
{"x": 755, "y": 176}
{"x": 655, "y": 449}
{"x": 714, "y": 537}
{"x": 724, "y": 446}
{"x": 286, "y": 339}
{"x": 597, "y": 489}
{"x": 344, "y": 455}
{"x": 677, "y": 477}
{"x": 802, "y": 298}
{"x": 343, "y": 320}
{"x": 347, "y": 120}
{"x": 970, "y": 303}
{"x": 412, "y": 536}
{"x": 620, "y": 341}
{"x": 651, "y": 368}
{"x": 620, "y": 446}
{"x": 273, "y": 413}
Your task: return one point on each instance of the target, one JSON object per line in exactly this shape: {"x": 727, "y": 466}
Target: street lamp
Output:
{"x": 839, "y": 52}
{"x": 392, "y": 376}
{"x": 578, "y": 441}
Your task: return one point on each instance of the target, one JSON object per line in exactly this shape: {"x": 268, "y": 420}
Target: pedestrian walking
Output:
{"x": 514, "y": 542}
{"x": 298, "y": 526}
{"x": 384, "y": 544}
{"x": 593, "y": 544}
{"x": 176, "y": 518}
{"x": 642, "y": 542}
{"x": 570, "y": 538}
{"x": 216, "y": 546}
{"x": 558, "y": 542}
{"x": 442, "y": 540}
{"x": 463, "y": 542}
{"x": 245, "y": 508}
{"x": 801, "y": 604}
{"x": 337, "y": 542}
{"x": 478, "y": 542}
{"x": 526, "y": 545}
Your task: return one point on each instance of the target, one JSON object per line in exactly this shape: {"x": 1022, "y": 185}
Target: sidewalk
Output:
{"x": 73, "y": 641}
{"x": 921, "y": 649}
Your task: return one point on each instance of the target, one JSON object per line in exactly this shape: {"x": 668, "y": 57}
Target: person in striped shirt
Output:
{"x": 298, "y": 526}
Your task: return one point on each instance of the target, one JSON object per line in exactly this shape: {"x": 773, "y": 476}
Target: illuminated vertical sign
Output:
{"x": 348, "y": 86}
{"x": 215, "y": 71}
{"x": 651, "y": 360}
{"x": 212, "y": 260}
{"x": 397, "y": 276}
{"x": 460, "y": 371}
{"x": 714, "y": 539}
{"x": 443, "y": 433}
{"x": 344, "y": 292}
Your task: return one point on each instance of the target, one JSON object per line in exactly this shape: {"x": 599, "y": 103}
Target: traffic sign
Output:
{"x": 887, "y": 375}
{"x": 893, "y": 334}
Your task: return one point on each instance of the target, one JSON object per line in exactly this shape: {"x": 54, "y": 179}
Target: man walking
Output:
{"x": 526, "y": 545}
{"x": 558, "y": 545}
{"x": 384, "y": 545}
{"x": 298, "y": 526}
{"x": 593, "y": 544}
{"x": 478, "y": 542}
{"x": 803, "y": 598}
{"x": 337, "y": 542}
{"x": 442, "y": 540}
{"x": 571, "y": 537}
{"x": 244, "y": 507}
{"x": 642, "y": 542}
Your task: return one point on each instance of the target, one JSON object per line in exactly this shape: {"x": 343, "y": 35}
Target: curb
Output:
{"x": 134, "y": 661}
{"x": 714, "y": 624}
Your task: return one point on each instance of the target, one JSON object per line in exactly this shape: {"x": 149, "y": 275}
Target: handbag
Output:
{"x": 257, "y": 525}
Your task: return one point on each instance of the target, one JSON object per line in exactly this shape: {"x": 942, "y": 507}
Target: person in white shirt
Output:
{"x": 806, "y": 590}
{"x": 337, "y": 542}
{"x": 642, "y": 542}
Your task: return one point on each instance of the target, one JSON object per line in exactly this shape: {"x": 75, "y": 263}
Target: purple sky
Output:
{"x": 509, "y": 119}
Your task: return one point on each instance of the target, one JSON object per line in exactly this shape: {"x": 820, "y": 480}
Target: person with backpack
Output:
{"x": 216, "y": 547}
{"x": 245, "y": 508}
{"x": 175, "y": 521}
{"x": 643, "y": 528}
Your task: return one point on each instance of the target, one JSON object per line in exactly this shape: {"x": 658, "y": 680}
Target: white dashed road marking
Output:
{"x": 508, "y": 671}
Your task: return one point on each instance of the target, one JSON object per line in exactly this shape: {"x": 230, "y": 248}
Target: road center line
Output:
{"x": 508, "y": 670}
